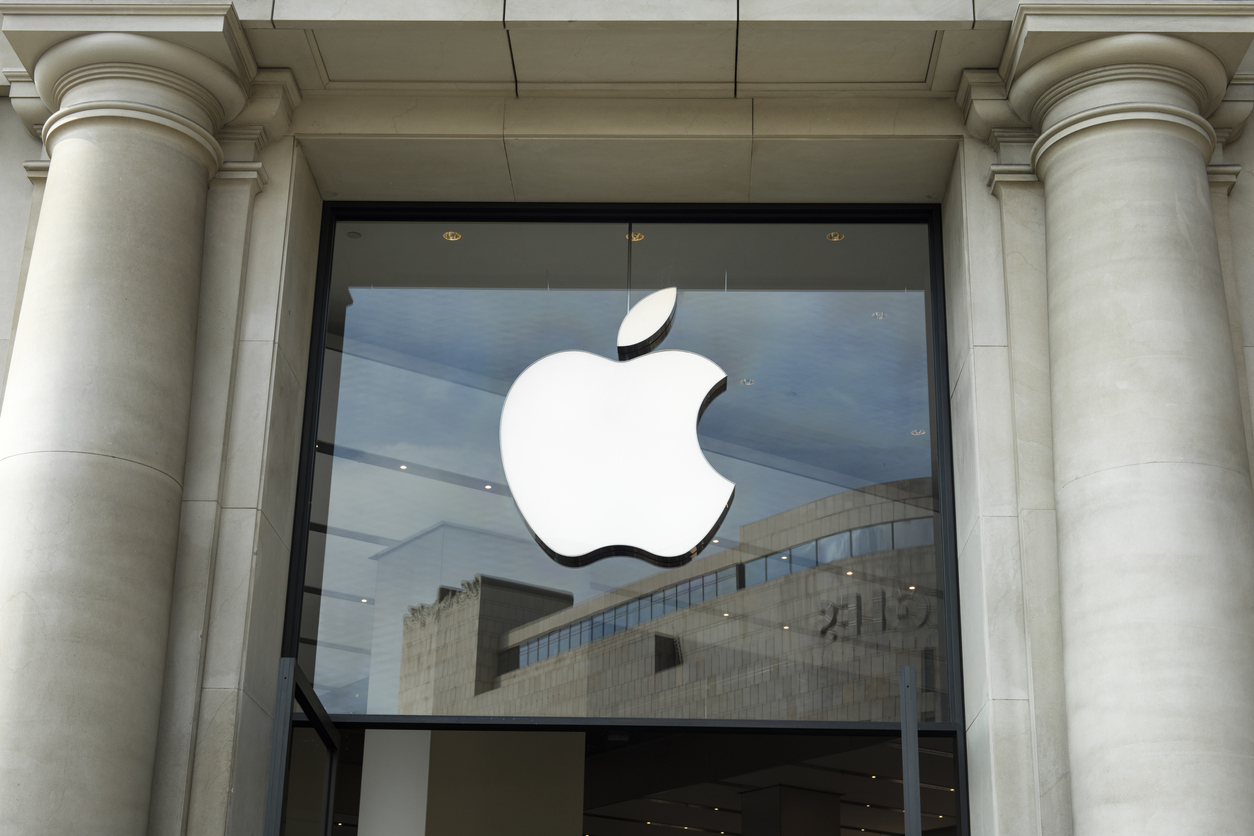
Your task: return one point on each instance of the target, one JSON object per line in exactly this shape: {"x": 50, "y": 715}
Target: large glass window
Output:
{"x": 425, "y": 591}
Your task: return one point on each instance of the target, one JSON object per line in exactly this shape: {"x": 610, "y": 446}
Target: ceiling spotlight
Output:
{"x": 725, "y": 615}
{"x": 912, "y": 587}
{"x": 487, "y": 487}
{"x": 835, "y": 236}
{"x": 849, "y": 573}
{"x": 785, "y": 626}
{"x": 918, "y": 432}
{"x": 365, "y": 601}
{"x": 746, "y": 381}
{"x": 354, "y": 235}
{"x": 636, "y": 236}
{"x": 877, "y": 315}
{"x": 714, "y": 541}
{"x": 451, "y": 236}
{"x": 404, "y": 467}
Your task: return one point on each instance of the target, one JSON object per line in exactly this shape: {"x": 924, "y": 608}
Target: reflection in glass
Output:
{"x": 426, "y": 593}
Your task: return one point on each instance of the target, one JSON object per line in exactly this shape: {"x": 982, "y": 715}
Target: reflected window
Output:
{"x": 426, "y": 593}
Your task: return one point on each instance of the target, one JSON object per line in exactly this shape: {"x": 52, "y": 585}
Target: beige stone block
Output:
{"x": 254, "y": 730}
{"x": 214, "y": 762}
{"x": 833, "y": 118}
{"x": 994, "y": 431}
{"x": 228, "y": 215}
{"x": 973, "y": 626}
{"x": 349, "y": 168}
{"x": 260, "y": 308}
{"x": 1003, "y": 608}
{"x": 984, "y": 249}
{"x": 247, "y": 434}
{"x": 180, "y": 695}
{"x": 282, "y": 450}
{"x": 851, "y": 170}
{"x": 266, "y": 605}
{"x": 452, "y": 55}
{"x": 800, "y": 54}
{"x": 228, "y": 612}
{"x": 957, "y": 290}
{"x": 442, "y": 14}
{"x": 713, "y": 170}
{"x": 624, "y": 54}
{"x": 300, "y": 269}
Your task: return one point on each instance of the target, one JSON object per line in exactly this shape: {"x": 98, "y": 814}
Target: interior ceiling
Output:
{"x": 647, "y": 784}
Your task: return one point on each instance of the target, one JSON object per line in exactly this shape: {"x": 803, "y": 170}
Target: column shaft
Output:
{"x": 1155, "y": 512}
{"x": 92, "y": 442}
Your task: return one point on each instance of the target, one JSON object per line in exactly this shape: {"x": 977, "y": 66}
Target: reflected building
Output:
{"x": 808, "y": 618}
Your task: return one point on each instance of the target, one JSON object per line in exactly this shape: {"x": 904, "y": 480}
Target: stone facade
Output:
{"x": 162, "y": 171}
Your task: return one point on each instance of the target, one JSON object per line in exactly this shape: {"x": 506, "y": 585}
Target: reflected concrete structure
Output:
{"x": 822, "y": 642}
{"x": 1092, "y": 166}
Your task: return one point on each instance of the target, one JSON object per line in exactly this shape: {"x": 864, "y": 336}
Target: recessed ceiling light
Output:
{"x": 487, "y": 487}
{"x": 636, "y": 236}
{"x": 835, "y": 236}
{"x": 746, "y": 381}
{"x": 353, "y": 235}
{"x": 918, "y": 432}
{"x": 452, "y": 236}
{"x": 725, "y": 615}
{"x": 365, "y": 601}
{"x": 872, "y": 776}
{"x": 714, "y": 541}
{"x": 404, "y": 467}
{"x": 877, "y": 315}
{"x": 849, "y": 573}
{"x": 783, "y": 557}
{"x": 785, "y": 626}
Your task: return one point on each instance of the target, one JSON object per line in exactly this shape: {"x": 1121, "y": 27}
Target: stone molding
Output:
{"x": 267, "y": 115}
{"x": 1037, "y": 82}
{"x": 112, "y": 75}
{"x": 1120, "y": 77}
{"x": 211, "y": 29}
{"x": 36, "y": 170}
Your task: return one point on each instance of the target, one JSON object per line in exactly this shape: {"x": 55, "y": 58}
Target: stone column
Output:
{"x": 1154, "y": 504}
{"x": 93, "y": 431}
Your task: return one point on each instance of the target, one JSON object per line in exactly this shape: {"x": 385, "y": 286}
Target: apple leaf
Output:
{"x": 647, "y": 323}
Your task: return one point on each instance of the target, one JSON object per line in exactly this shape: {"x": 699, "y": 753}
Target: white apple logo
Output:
{"x": 602, "y": 456}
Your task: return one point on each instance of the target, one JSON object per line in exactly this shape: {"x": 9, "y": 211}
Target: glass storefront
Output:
{"x": 430, "y": 601}
{"x": 425, "y": 590}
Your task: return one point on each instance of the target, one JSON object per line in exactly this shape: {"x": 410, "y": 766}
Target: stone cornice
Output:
{"x": 1204, "y": 37}
{"x": 1040, "y": 29}
{"x": 212, "y": 29}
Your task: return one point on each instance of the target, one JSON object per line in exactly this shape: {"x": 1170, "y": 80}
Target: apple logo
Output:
{"x": 602, "y": 456}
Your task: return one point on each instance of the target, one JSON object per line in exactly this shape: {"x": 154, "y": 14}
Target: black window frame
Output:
{"x": 294, "y": 685}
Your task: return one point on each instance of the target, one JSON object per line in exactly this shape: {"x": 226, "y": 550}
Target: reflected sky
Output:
{"x": 826, "y": 390}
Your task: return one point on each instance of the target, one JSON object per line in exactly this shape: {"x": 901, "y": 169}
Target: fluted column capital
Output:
{"x": 156, "y": 84}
